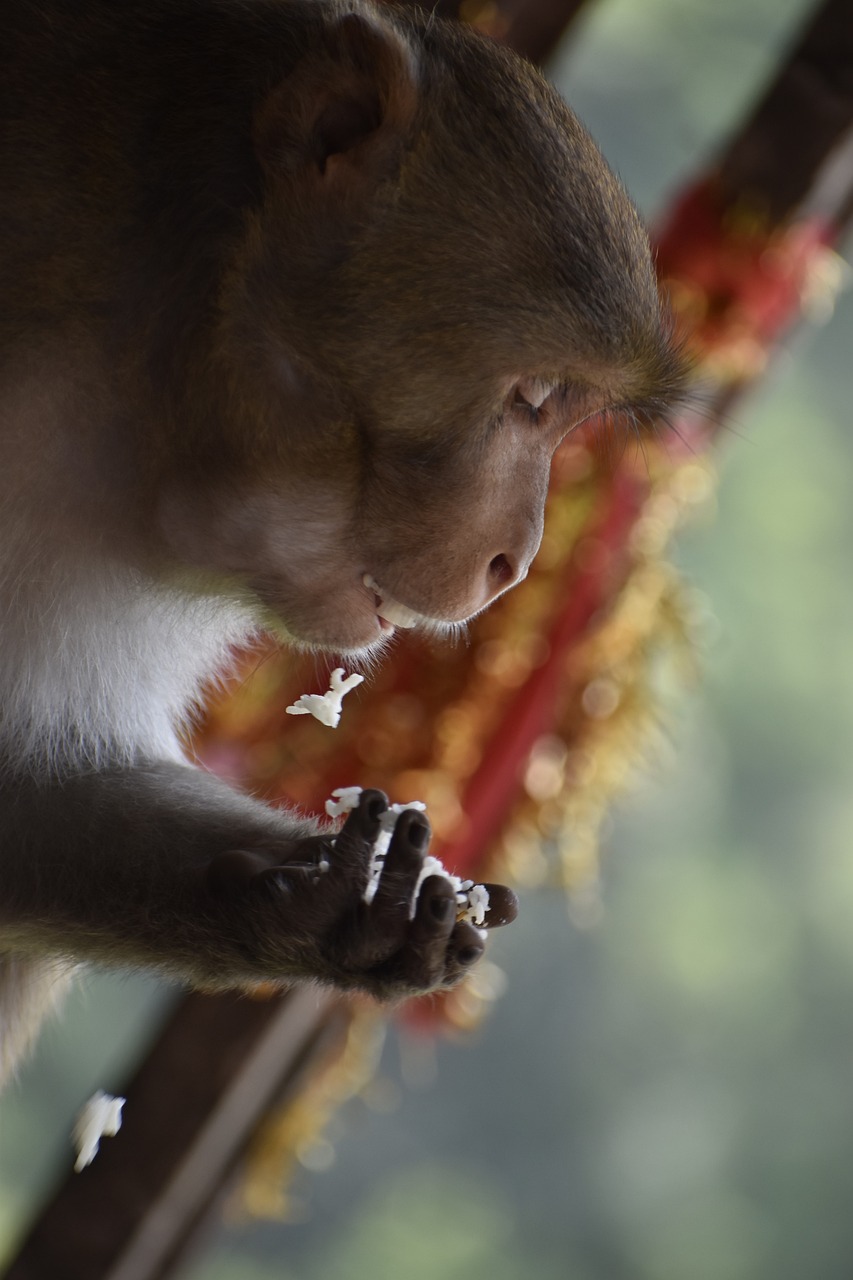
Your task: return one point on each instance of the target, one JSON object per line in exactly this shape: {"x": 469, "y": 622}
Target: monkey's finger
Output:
{"x": 355, "y": 840}
{"x": 503, "y": 906}
{"x": 288, "y": 877}
{"x": 402, "y": 867}
{"x": 240, "y": 870}
{"x": 435, "y": 912}
{"x": 434, "y": 944}
{"x": 464, "y": 949}
{"x": 438, "y": 957}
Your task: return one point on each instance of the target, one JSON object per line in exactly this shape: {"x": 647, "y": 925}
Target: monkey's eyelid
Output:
{"x": 524, "y": 406}
{"x": 532, "y": 392}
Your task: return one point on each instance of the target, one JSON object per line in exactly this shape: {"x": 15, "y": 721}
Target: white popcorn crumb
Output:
{"x": 343, "y": 799}
{"x": 472, "y": 899}
{"x": 380, "y": 848}
{"x": 326, "y": 707}
{"x": 478, "y": 903}
{"x": 99, "y": 1118}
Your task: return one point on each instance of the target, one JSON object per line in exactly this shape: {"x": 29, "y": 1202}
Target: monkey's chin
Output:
{"x": 345, "y": 635}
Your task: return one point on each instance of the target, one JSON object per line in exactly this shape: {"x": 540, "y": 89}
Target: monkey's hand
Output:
{"x": 162, "y": 865}
{"x": 310, "y": 908}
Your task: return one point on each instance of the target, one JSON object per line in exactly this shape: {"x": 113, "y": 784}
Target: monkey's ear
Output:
{"x": 346, "y": 111}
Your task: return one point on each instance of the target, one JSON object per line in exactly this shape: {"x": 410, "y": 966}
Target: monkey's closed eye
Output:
{"x": 524, "y": 406}
{"x": 530, "y": 396}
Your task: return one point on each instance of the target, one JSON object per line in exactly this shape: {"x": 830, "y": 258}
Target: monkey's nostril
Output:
{"x": 501, "y": 573}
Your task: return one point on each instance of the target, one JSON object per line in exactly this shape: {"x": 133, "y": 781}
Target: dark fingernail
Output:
{"x": 469, "y": 955}
{"x": 376, "y": 806}
{"x": 418, "y": 835}
{"x": 441, "y": 909}
{"x": 503, "y": 905}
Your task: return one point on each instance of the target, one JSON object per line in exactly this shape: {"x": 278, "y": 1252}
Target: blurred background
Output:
{"x": 666, "y": 1094}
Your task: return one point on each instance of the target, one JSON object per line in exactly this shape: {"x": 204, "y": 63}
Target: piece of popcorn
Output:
{"x": 99, "y": 1118}
{"x": 326, "y": 707}
{"x": 478, "y": 903}
{"x": 380, "y": 848}
{"x": 472, "y": 899}
{"x": 343, "y": 800}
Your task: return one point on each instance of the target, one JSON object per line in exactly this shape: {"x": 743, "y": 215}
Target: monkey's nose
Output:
{"x": 500, "y": 574}
{"x": 519, "y": 541}
{"x": 505, "y": 570}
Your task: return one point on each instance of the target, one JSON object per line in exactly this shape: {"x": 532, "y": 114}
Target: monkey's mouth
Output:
{"x": 390, "y": 610}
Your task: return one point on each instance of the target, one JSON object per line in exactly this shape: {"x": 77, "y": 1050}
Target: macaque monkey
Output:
{"x": 297, "y": 300}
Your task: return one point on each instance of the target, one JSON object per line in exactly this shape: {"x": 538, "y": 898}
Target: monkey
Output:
{"x": 299, "y": 298}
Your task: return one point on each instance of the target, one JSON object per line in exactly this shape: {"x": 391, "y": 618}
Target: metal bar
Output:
{"x": 216, "y": 1068}
{"x": 798, "y": 123}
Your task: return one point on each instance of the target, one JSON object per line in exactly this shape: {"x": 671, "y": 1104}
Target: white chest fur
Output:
{"x": 97, "y": 662}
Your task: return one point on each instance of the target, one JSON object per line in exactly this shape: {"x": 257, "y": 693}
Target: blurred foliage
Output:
{"x": 669, "y": 1096}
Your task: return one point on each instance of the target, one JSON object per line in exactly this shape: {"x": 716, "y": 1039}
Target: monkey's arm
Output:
{"x": 166, "y": 866}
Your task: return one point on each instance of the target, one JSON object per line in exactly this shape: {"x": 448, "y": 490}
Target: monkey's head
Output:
{"x": 443, "y": 278}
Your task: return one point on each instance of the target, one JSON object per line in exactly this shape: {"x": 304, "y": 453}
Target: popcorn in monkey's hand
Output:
{"x": 472, "y": 899}
{"x": 390, "y": 928}
{"x": 99, "y": 1118}
{"x": 326, "y": 707}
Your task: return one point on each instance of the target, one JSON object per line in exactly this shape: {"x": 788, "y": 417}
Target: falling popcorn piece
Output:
{"x": 99, "y": 1118}
{"x": 326, "y": 707}
{"x": 472, "y": 899}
